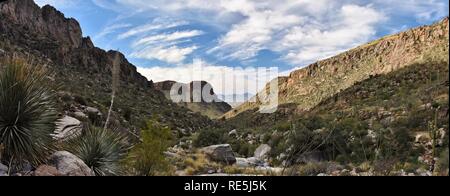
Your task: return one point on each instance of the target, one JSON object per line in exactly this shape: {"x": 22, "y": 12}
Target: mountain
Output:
{"x": 83, "y": 72}
{"x": 236, "y": 99}
{"x": 213, "y": 110}
{"x": 307, "y": 87}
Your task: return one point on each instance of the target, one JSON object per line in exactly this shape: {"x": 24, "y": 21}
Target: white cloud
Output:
{"x": 172, "y": 54}
{"x": 112, "y": 29}
{"x": 150, "y": 27}
{"x": 352, "y": 26}
{"x": 57, "y": 3}
{"x": 303, "y": 30}
{"x": 424, "y": 11}
{"x": 167, "y": 37}
{"x": 225, "y": 80}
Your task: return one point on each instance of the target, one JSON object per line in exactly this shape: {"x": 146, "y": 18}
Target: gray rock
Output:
{"x": 242, "y": 162}
{"x": 67, "y": 128}
{"x": 68, "y": 164}
{"x": 311, "y": 157}
{"x": 93, "y": 111}
{"x": 262, "y": 152}
{"x": 80, "y": 115}
{"x": 220, "y": 153}
{"x": 3, "y": 170}
{"x": 233, "y": 133}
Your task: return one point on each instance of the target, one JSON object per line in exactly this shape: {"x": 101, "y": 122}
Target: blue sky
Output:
{"x": 164, "y": 37}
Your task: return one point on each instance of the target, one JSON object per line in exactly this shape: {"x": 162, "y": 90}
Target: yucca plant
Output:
{"x": 27, "y": 114}
{"x": 101, "y": 150}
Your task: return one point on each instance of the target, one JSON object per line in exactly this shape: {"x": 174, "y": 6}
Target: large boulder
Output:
{"x": 93, "y": 111}
{"x": 46, "y": 170}
{"x": 221, "y": 153}
{"x": 262, "y": 152}
{"x": 67, "y": 128}
{"x": 68, "y": 164}
{"x": 3, "y": 170}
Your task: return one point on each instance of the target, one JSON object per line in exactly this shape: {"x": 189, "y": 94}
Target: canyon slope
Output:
{"x": 83, "y": 72}
{"x": 307, "y": 87}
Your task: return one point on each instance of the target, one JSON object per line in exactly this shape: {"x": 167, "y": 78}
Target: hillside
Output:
{"x": 83, "y": 72}
{"x": 213, "y": 110}
{"x": 309, "y": 86}
{"x": 384, "y": 123}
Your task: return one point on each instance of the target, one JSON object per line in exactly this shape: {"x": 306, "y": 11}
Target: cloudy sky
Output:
{"x": 164, "y": 37}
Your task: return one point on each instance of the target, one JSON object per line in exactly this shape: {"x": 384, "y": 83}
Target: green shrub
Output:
{"x": 442, "y": 166}
{"x": 101, "y": 149}
{"x": 27, "y": 114}
{"x": 147, "y": 157}
{"x": 310, "y": 169}
{"x": 209, "y": 137}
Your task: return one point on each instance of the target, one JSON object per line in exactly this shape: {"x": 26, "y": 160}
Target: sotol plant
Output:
{"x": 27, "y": 114}
{"x": 101, "y": 150}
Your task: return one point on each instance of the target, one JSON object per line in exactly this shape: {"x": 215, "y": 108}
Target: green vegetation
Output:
{"x": 27, "y": 114}
{"x": 147, "y": 157}
{"x": 101, "y": 150}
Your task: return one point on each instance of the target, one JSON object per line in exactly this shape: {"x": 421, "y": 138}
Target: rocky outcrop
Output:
{"x": 262, "y": 152}
{"x": 47, "y": 32}
{"x": 68, "y": 164}
{"x": 309, "y": 86}
{"x": 213, "y": 108}
{"x": 46, "y": 21}
{"x": 221, "y": 153}
{"x": 44, "y": 36}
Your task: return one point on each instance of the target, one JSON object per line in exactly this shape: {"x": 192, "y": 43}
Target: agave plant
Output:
{"x": 101, "y": 149}
{"x": 27, "y": 114}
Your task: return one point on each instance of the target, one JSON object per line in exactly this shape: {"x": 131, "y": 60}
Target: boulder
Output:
{"x": 311, "y": 157}
{"x": 262, "y": 152}
{"x": 80, "y": 115}
{"x": 233, "y": 133}
{"x": 68, "y": 164}
{"x": 220, "y": 153}
{"x": 250, "y": 162}
{"x": 46, "y": 170}
{"x": 242, "y": 162}
{"x": 67, "y": 128}
{"x": 3, "y": 170}
{"x": 93, "y": 111}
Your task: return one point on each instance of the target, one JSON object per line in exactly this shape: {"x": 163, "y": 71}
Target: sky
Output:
{"x": 166, "y": 38}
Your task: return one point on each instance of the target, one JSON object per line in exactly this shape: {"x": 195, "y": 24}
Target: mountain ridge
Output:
{"x": 213, "y": 110}
{"x": 309, "y": 86}
{"x": 46, "y": 37}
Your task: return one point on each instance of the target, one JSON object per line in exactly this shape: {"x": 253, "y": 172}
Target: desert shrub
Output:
{"x": 209, "y": 137}
{"x": 310, "y": 169}
{"x": 147, "y": 157}
{"x": 80, "y": 100}
{"x": 101, "y": 149}
{"x": 442, "y": 166}
{"x": 27, "y": 114}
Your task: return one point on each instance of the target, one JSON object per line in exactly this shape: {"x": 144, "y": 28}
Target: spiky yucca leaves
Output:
{"x": 101, "y": 149}
{"x": 27, "y": 114}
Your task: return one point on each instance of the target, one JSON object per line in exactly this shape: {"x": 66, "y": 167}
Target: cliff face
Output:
{"x": 45, "y": 32}
{"x": 45, "y": 36}
{"x": 213, "y": 109}
{"x": 309, "y": 86}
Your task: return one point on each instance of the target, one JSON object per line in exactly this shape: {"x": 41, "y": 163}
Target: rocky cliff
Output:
{"x": 83, "y": 71}
{"x": 213, "y": 110}
{"x": 309, "y": 86}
